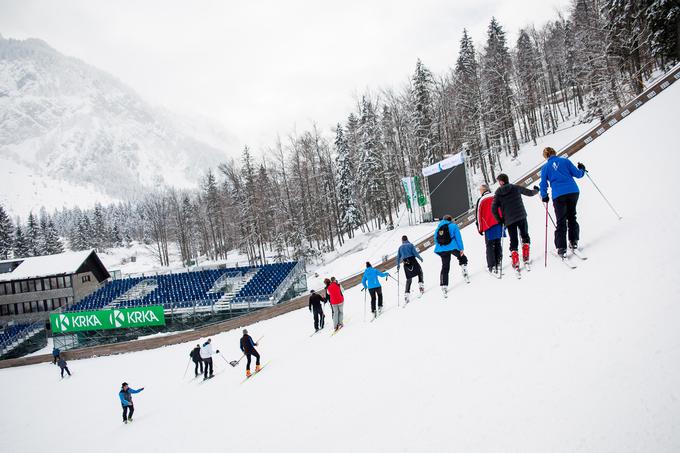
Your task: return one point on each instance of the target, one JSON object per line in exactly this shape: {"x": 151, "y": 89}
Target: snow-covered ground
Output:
{"x": 584, "y": 360}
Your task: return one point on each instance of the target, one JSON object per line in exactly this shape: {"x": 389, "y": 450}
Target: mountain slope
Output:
{"x": 73, "y": 123}
{"x": 584, "y": 360}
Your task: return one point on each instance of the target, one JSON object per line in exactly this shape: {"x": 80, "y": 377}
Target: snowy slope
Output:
{"x": 584, "y": 360}
{"x": 74, "y": 127}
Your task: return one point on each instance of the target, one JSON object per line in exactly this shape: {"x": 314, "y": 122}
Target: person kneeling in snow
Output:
{"x": 125, "y": 396}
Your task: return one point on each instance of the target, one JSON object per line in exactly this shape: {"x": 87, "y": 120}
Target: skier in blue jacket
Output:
{"x": 559, "y": 174}
{"x": 370, "y": 282}
{"x": 409, "y": 255}
{"x": 125, "y": 396}
{"x": 447, "y": 242}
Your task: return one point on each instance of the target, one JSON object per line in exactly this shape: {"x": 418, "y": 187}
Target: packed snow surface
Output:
{"x": 584, "y": 360}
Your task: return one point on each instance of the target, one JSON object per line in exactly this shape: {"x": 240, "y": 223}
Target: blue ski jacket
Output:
{"x": 407, "y": 250}
{"x": 456, "y": 239}
{"x": 370, "y": 279}
{"x": 125, "y": 398}
{"x": 559, "y": 172}
{"x": 495, "y": 232}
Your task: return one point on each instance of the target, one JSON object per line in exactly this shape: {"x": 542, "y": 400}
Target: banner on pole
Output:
{"x": 420, "y": 195}
{"x": 406, "y": 182}
{"x": 123, "y": 318}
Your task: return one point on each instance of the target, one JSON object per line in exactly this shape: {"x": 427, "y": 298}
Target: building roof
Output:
{"x": 46, "y": 266}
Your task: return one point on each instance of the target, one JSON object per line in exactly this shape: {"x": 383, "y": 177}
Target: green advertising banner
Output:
{"x": 122, "y": 318}
{"x": 422, "y": 201}
{"x": 407, "y": 191}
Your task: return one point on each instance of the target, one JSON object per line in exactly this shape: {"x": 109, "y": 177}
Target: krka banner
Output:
{"x": 123, "y": 318}
{"x": 413, "y": 191}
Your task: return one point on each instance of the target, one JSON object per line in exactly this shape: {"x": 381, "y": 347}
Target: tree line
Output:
{"x": 308, "y": 193}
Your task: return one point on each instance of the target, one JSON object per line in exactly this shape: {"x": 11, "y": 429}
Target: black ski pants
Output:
{"x": 376, "y": 292}
{"x": 66, "y": 369}
{"x": 446, "y": 264}
{"x": 494, "y": 253}
{"x": 249, "y": 355}
{"x": 409, "y": 279}
{"x": 521, "y": 227}
{"x": 207, "y": 363}
{"x": 319, "y": 319}
{"x": 198, "y": 367}
{"x": 565, "y": 218}
{"x": 127, "y": 412}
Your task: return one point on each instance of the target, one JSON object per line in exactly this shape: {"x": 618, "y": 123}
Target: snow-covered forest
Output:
{"x": 310, "y": 190}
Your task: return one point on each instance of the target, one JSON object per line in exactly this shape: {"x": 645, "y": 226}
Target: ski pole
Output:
{"x": 364, "y": 291}
{"x": 605, "y": 198}
{"x": 546, "y": 234}
{"x": 398, "y": 278}
{"x": 547, "y": 214}
{"x": 500, "y": 271}
{"x": 186, "y": 369}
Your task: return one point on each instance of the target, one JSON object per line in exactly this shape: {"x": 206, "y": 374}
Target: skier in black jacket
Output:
{"x": 315, "y": 307}
{"x": 195, "y": 355}
{"x": 248, "y": 348}
{"x": 508, "y": 198}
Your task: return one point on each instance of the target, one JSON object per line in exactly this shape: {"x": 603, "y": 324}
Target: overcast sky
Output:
{"x": 264, "y": 67}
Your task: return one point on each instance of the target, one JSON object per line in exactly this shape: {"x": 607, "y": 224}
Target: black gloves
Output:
{"x": 581, "y": 166}
{"x": 545, "y": 199}
{"x": 536, "y": 189}
{"x": 218, "y": 351}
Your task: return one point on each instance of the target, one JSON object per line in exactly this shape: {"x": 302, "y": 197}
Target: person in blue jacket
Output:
{"x": 409, "y": 255}
{"x": 559, "y": 174}
{"x": 55, "y": 355}
{"x": 370, "y": 282}
{"x": 125, "y": 396}
{"x": 447, "y": 242}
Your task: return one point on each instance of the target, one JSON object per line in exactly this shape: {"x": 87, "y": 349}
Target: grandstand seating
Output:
{"x": 14, "y": 333}
{"x": 189, "y": 289}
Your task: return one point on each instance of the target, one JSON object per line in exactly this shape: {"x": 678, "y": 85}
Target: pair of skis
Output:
{"x": 567, "y": 258}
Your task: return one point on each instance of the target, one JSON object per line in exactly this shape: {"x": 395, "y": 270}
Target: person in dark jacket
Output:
{"x": 55, "y": 355}
{"x": 559, "y": 173}
{"x": 409, "y": 255}
{"x": 488, "y": 226}
{"x": 195, "y": 355}
{"x": 315, "y": 301}
{"x": 63, "y": 366}
{"x": 248, "y": 348}
{"x": 125, "y": 396}
{"x": 508, "y": 198}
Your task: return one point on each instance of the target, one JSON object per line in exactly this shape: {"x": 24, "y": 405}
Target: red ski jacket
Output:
{"x": 335, "y": 293}
{"x": 485, "y": 218}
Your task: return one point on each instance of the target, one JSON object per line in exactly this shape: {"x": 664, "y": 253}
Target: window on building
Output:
{"x": 13, "y": 309}
{"x": 4, "y": 310}
{"x": 38, "y": 285}
{"x": 46, "y": 306}
{"x": 2, "y": 289}
{"x": 53, "y": 282}
{"x": 24, "y": 286}
{"x": 68, "y": 281}
{"x": 85, "y": 278}
{"x": 31, "y": 286}
{"x": 46, "y": 284}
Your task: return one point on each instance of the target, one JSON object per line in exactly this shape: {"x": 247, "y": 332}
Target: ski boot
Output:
{"x": 407, "y": 298}
{"x": 248, "y": 373}
{"x": 515, "y": 259}
{"x": 466, "y": 277}
{"x": 525, "y": 253}
{"x": 125, "y": 421}
{"x": 257, "y": 368}
{"x": 421, "y": 286}
{"x": 379, "y": 311}
{"x": 562, "y": 253}
{"x": 573, "y": 245}
{"x": 445, "y": 291}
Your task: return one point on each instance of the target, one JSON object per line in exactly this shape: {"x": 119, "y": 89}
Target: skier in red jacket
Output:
{"x": 488, "y": 226}
{"x": 334, "y": 294}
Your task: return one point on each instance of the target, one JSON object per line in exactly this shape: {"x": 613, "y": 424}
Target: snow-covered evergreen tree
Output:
{"x": 32, "y": 236}
{"x": 6, "y": 232}
{"x": 663, "y": 17}
{"x": 350, "y": 214}
{"x": 21, "y": 249}
{"x": 51, "y": 241}
{"x": 371, "y": 167}
{"x": 421, "y": 116}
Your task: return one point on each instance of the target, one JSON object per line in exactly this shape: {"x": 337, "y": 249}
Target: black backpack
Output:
{"x": 444, "y": 235}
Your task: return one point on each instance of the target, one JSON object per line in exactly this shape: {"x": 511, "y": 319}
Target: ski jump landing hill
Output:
{"x": 584, "y": 360}
{"x": 531, "y": 178}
